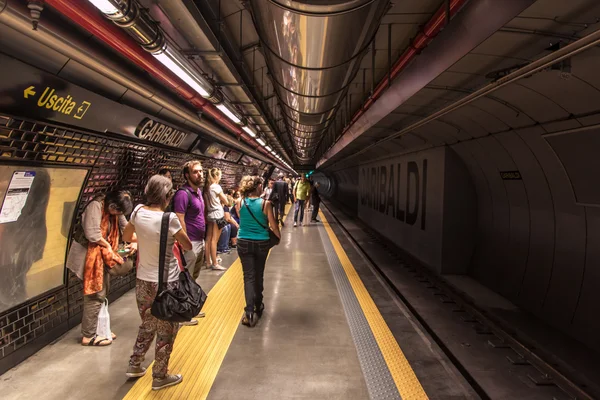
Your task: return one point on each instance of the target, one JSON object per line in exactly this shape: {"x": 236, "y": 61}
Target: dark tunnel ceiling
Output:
{"x": 556, "y": 99}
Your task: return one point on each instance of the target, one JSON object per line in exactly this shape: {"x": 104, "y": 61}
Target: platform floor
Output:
{"x": 331, "y": 330}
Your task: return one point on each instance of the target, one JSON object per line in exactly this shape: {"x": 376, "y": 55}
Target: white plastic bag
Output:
{"x": 103, "y": 328}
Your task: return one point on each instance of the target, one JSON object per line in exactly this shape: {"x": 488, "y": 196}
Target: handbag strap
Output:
{"x": 164, "y": 230}
{"x": 252, "y": 215}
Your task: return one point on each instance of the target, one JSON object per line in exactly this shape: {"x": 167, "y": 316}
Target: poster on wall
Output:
{"x": 16, "y": 196}
{"x": 34, "y": 234}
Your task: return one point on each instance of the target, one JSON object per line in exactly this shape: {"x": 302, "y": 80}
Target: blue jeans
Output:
{"x": 223, "y": 243}
{"x": 299, "y": 207}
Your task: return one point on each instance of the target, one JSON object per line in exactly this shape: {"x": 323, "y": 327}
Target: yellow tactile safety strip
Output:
{"x": 406, "y": 381}
{"x": 199, "y": 350}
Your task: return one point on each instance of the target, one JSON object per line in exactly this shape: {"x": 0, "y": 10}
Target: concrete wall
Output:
{"x": 424, "y": 202}
{"x": 538, "y": 235}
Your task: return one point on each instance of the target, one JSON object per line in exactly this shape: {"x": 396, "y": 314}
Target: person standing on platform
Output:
{"x": 278, "y": 198}
{"x": 301, "y": 193}
{"x": 166, "y": 173}
{"x": 256, "y": 216}
{"x": 315, "y": 199}
{"x": 215, "y": 216}
{"x": 146, "y": 222}
{"x": 188, "y": 205}
{"x": 94, "y": 248}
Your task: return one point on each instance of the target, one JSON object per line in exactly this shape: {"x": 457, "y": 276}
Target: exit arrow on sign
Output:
{"x": 29, "y": 92}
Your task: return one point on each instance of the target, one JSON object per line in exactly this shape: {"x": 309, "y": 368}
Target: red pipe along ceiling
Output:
{"x": 425, "y": 36}
{"x": 88, "y": 17}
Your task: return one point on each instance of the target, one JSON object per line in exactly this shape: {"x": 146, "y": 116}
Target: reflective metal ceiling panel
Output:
{"x": 313, "y": 50}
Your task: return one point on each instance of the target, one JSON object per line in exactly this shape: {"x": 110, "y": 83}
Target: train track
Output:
{"x": 545, "y": 375}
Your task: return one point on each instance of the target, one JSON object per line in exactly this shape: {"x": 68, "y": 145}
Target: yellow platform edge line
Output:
{"x": 200, "y": 350}
{"x": 404, "y": 376}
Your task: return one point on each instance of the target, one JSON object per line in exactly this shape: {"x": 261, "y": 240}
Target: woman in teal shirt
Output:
{"x": 256, "y": 215}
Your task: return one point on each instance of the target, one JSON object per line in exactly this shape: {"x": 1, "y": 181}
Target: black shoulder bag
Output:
{"x": 179, "y": 304}
{"x": 273, "y": 239}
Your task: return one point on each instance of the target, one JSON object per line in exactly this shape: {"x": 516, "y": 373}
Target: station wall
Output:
{"x": 112, "y": 164}
{"x": 423, "y": 202}
{"x": 536, "y": 211}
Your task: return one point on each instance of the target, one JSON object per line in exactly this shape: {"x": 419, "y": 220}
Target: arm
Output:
{"x": 129, "y": 232}
{"x": 230, "y": 220}
{"x": 180, "y": 205}
{"x": 271, "y": 217}
{"x": 91, "y": 224}
{"x": 223, "y": 198}
{"x": 238, "y": 204}
{"x": 181, "y": 218}
{"x": 183, "y": 240}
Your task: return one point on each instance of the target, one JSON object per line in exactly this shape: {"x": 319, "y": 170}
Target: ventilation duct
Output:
{"x": 313, "y": 50}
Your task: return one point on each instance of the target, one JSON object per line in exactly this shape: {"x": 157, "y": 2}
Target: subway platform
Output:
{"x": 331, "y": 330}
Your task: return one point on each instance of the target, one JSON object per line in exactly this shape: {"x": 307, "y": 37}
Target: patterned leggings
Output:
{"x": 165, "y": 331}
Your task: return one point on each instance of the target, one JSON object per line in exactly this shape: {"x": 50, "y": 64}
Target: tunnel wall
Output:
{"x": 112, "y": 164}
{"x": 423, "y": 202}
{"x": 538, "y": 227}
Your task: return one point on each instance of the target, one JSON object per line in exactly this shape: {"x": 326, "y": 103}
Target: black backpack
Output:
{"x": 171, "y": 207}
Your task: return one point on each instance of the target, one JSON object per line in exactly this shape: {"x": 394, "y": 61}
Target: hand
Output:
{"x": 132, "y": 248}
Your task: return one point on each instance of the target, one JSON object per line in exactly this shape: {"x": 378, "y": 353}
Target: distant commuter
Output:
{"x": 279, "y": 197}
{"x": 94, "y": 251}
{"x": 188, "y": 205}
{"x": 166, "y": 173}
{"x": 146, "y": 222}
{"x": 215, "y": 198}
{"x": 266, "y": 194}
{"x": 256, "y": 215}
{"x": 315, "y": 199}
{"x": 301, "y": 193}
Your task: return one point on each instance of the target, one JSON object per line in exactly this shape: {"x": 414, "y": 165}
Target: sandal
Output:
{"x": 113, "y": 335}
{"x": 95, "y": 341}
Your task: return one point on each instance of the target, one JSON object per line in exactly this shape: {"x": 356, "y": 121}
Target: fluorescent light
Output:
{"x": 261, "y": 141}
{"x": 168, "y": 61}
{"x": 268, "y": 148}
{"x": 249, "y": 131}
{"x": 225, "y": 110}
{"x": 105, "y": 6}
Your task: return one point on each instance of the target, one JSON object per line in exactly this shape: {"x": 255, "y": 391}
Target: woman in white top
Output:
{"x": 215, "y": 216}
{"x": 146, "y": 223}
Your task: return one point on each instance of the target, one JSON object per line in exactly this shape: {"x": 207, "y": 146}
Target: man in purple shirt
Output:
{"x": 191, "y": 214}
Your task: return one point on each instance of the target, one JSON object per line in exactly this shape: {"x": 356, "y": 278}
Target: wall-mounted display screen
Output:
{"x": 215, "y": 150}
{"x": 233, "y": 156}
{"x": 250, "y": 162}
{"x": 35, "y": 217}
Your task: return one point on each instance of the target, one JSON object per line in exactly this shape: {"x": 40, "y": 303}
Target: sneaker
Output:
{"x": 295, "y": 224}
{"x": 218, "y": 267}
{"x": 135, "y": 371}
{"x": 201, "y": 315}
{"x": 191, "y": 322}
{"x": 168, "y": 380}
{"x": 219, "y": 260}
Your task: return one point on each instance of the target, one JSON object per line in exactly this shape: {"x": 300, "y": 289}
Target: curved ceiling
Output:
{"x": 565, "y": 96}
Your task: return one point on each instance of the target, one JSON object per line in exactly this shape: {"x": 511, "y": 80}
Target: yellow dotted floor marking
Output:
{"x": 199, "y": 350}
{"x": 406, "y": 381}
